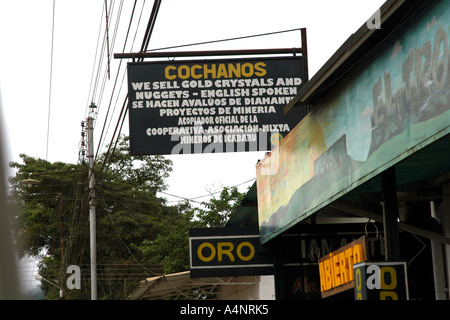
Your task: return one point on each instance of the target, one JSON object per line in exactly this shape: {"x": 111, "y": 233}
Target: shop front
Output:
{"x": 370, "y": 159}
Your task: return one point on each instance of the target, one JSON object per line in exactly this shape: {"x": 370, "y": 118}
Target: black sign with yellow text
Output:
{"x": 212, "y": 106}
{"x": 217, "y": 252}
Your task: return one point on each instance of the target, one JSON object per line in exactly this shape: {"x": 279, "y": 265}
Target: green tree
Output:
{"x": 138, "y": 234}
{"x": 45, "y": 212}
{"x": 171, "y": 245}
{"x": 52, "y": 220}
{"x": 217, "y": 211}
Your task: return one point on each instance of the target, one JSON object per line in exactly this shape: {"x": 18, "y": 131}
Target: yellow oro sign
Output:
{"x": 381, "y": 281}
{"x": 231, "y": 251}
{"x": 225, "y": 248}
{"x": 336, "y": 268}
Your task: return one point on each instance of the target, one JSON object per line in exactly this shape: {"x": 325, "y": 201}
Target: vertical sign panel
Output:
{"x": 212, "y": 106}
{"x": 381, "y": 281}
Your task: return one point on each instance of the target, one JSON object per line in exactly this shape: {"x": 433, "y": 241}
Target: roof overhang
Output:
{"x": 247, "y": 212}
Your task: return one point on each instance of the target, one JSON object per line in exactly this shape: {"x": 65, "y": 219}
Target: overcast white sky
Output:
{"x": 25, "y": 67}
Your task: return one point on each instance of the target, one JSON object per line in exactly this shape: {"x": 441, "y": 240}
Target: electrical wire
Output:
{"x": 225, "y": 40}
{"x": 95, "y": 95}
{"x": 51, "y": 77}
{"x": 193, "y": 199}
{"x": 80, "y": 205}
{"x": 107, "y": 36}
{"x": 90, "y": 99}
{"x": 124, "y": 109}
{"x": 117, "y": 75}
{"x": 103, "y": 134}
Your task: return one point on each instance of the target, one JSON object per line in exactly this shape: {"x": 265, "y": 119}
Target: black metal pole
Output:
{"x": 390, "y": 215}
{"x": 150, "y": 25}
{"x": 165, "y": 54}
{"x": 305, "y": 51}
{"x": 278, "y": 270}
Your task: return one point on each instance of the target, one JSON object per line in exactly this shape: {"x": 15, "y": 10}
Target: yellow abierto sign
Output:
{"x": 336, "y": 268}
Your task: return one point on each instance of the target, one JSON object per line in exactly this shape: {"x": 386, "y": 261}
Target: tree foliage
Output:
{"x": 217, "y": 211}
{"x": 52, "y": 220}
{"x": 138, "y": 234}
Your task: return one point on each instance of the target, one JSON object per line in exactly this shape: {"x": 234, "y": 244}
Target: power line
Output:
{"x": 117, "y": 75}
{"x": 225, "y": 40}
{"x": 95, "y": 181}
{"x": 107, "y": 34}
{"x": 124, "y": 110}
{"x": 120, "y": 120}
{"x": 94, "y": 86}
{"x": 51, "y": 76}
{"x": 90, "y": 99}
{"x": 203, "y": 196}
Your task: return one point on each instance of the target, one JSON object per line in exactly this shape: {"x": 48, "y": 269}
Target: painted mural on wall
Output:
{"x": 396, "y": 102}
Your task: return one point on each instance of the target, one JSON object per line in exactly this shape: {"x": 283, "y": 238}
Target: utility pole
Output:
{"x": 61, "y": 268}
{"x": 92, "y": 212}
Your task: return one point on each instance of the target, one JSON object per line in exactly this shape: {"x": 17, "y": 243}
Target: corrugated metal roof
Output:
{"x": 180, "y": 286}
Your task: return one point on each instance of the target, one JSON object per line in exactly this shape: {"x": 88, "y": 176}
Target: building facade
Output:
{"x": 371, "y": 158}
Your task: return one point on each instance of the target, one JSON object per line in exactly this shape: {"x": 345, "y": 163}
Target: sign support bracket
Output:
{"x": 165, "y": 54}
